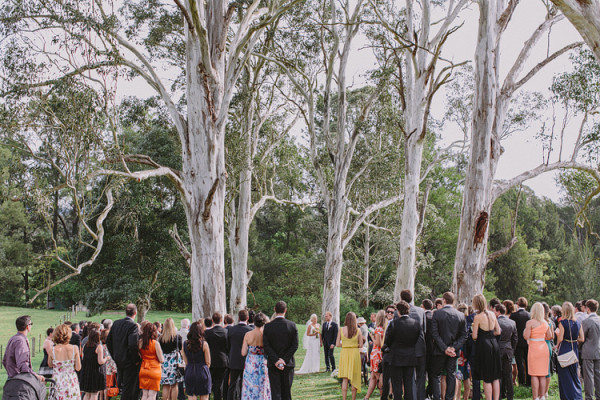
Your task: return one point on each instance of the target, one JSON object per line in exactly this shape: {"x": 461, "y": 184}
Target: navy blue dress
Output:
{"x": 197, "y": 375}
{"x": 569, "y": 384}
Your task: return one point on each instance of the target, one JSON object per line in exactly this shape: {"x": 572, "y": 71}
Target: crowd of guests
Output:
{"x": 412, "y": 352}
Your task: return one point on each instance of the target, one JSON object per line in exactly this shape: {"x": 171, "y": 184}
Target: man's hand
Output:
{"x": 450, "y": 352}
{"x": 332, "y": 346}
{"x": 40, "y": 378}
{"x": 280, "y": 364}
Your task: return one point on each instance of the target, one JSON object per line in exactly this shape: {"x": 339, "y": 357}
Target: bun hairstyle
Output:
{"x": 260, "y": 320}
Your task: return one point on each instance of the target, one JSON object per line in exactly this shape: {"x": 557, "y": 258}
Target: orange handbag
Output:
{"x": 111, "y": 385}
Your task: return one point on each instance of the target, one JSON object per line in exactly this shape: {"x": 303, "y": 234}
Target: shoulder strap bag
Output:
{"x": 568, "y": 358}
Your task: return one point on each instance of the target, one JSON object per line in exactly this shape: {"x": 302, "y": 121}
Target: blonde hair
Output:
{"x": 537, "y": 312}
{"x": 568, "y": 311}
{"x": 314, "y": 316}
{"x": 463, "y": 308}
{"x": 479, "y": 303}
{"x": 62, "y": 334}
{"x": 380, "y": 318}
{"x": 169, "y": 332}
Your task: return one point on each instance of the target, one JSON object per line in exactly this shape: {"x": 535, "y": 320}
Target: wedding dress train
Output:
{"x": 312, "y": 360}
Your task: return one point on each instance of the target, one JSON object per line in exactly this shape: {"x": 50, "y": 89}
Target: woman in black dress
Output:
{"x": 487, "y": 366}
{"x": 45, "y": 370}
{"x": 196, "y": 355}
{"x": 92, "y": 380}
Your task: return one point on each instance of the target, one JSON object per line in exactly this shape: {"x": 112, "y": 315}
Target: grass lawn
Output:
{"x": 306, "y": 387}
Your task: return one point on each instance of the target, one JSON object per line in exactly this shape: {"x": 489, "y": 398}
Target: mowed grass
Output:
{"x": 318, "y": 386}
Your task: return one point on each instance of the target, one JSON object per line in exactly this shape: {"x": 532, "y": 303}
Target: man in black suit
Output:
{"x": 418, "y": 314}
{"x": 427, "y": 306}
{"x": 280, "y": 338}
{"x": 122, "y": 343}
{"x": 216, "y": 338}
{"x": 329, "y": 332}
{"x": 235, "y": 338}
{"x": 507, "y": 342}
{"x": 449, "y": 333}
{"x": 401, "y": 338}
{"x": 521, "y": 316}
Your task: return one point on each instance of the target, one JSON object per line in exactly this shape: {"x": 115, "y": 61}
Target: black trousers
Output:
{"x": 128, "y": 382}
{"x": 521, "y": 359}
{"x": 217, "y": 376}
{"x": 403, "y": 382}
{"x": 429, "y": 369}
{"x": 329, "y": 358}
{"x": 421, "y": 371}
{"x": 234, "y": 390}
{"x": 448, "y": 364}
{"x": 386, "y": 376}
{"x": 506, "y": 385}
{"x": 281, "y": 383}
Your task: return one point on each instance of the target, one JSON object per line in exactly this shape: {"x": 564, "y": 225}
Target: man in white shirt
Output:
{"x": 581, "y": 313}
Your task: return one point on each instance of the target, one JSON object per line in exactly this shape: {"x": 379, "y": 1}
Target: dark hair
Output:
{"x": 406, "y": 295}
{"x": 280, "y": 307}
{"x": 403, "y": 307}
{"x": 22, "y": 322}
{"x": 208, "y": 322}
{"x": 259, "y": 320}
{"x": 195, "y": 337}
{"x": 350, "y": 324}
{"x": 500, "y": 308}
{"x": 438, "y": 302}
{"x": 228, "y": 319}
{"x": 49, "y": 331}
{"x": 130, "y": 310}
{"x": 493, "y": 302}
{"x": 158, "y": 326}
{"x": 104, "y": 335}
{"x": 243, "y": 315}
{"x": 148, "y": 333}
{"x": 578, "y": 305}
{"x": 391, "y": 306}
{"x": 510, "y": 306}
{"x": 251, "y": 316}
{"x": 448, "y": 297}
{"x": 522, "y": 302}
{"x": 592, "y": 305}
{"x": 93, "y": 337}
{"x": 216, "y": 317}
{"x": 68, "y": 323}
{"x": 427, "y": 304}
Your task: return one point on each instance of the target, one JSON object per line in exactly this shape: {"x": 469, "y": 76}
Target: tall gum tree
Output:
{"x": 210, "y": 40}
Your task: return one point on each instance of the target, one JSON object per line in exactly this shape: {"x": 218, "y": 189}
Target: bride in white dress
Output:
{"x": 312, "y": 343}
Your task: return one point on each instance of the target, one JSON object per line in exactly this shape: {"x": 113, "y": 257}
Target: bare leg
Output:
{"x": 344, "y": 388}
{"x": 515, "y": 373}
{"x": 535, "y": 386}
{"x": 547, "y": 387}
{"x": 496, "y": 389}
{"x": 487, "y": 390}
{"x": 457, "y": 389}
{"x": 354, "y": 391}
{"x": 443, "y": 386}
{"x": 372, "y": 383}
{"x": 467, "y": 384}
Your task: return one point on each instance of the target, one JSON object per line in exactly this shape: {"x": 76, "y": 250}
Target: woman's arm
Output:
{"x": 580, "y": 338}
{"x": 549, "y": 333}
{"x": 245, "y": 345}
{"x": 159, "y": 352}
{"x": 50, "y": 360}
{"x": 561, "y": 333}
{"x": 497, "y": 330}
{"x": 207, "y": 353}
{"x": 182, "y": 351}
{"x": 77, "y": 359}
{"x": 338, "y": 341}
{"x": 100, "y": 354}
{"x": 308, "y": 331}
{"x": 527, "y": 331}
{"x": 475, "y": 327}
{"x": 377, "y": 339}
{"x": 361, "y": 339}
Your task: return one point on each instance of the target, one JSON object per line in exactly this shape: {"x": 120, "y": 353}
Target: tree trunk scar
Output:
{"x": 208, "y": 94}
{"x": 209, "y": 199}
{"x": 480, "y": 228}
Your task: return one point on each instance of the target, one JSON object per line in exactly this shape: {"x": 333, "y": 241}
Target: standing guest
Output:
{"x": 390, "y": 314}
{"x": 521, "y": 316}
{"x": 463, "y": 374}
{"x": 376, "y": 355}
{"x": 470, "y": 353}
{"x": 158, "y": 327}
{"x": 17, "y": 357}
{"x": 76, "y": 336}
{"x": 536, "y": 332}
{"x": 235, "y": 339}
{"x": 85, "y": 336}
{"x": 507, "y": 343}
{"x": 427, "y": 305}
{"x": 439, "y": 303}
{"x": 152, "y": 358}
{"x": 556, "y": 314}
{"x": 364, "y": 355}
{"x": 255, "y": 385}
{"x": 110, "y": 368}
{"x": 92, "y": 379}
{"x": 581, "y": 313}
{"x": 65, "y": 361}
{"x": 373, "y": 323}
{"x": 170, "y": 344}
{"x": 550, "y": 344}
{"x": 510, "y": 308}
{"x": 402, "y": 337}
{"x": 384, "y": 367}
{"x": 196, "y": 355}
{"x": 228, "y": 320}
{"x": 590, "y": 353}
{"x": 350, "y": 340}
{"x": 418, "y": 314}
{"x": 569, "y": 333}
{"x": 182, "y": 332}
{"x": 449, "y": 333}
{"x": 45, "y": 370}
{"x": 208, "y": 323}
{"x": 217, "y": 343}
{"x": 122, "y": 343}
{"x": 251, "y": 314}
{"x": 107, "y": 324}
{"x": 487, "y": 366}
{"x": 329, "y": 333}
{"x": 280, "y": 338}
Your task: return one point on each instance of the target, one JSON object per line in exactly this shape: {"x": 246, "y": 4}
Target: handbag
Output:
{"x": 111, "y": 386}
{"x": 568, "y": 358}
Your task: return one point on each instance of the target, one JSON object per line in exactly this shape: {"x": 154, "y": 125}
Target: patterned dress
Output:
{"x": 376, "y": 354}
{"x": 67, "y": 384}
{"x": 255, "y": 385}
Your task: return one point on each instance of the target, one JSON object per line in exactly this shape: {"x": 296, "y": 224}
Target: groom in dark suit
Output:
{"x": 280, "y": 339}
{"x": 521, "y": 316}
{"x": 329, "y": 332}
{"x": 122, "y": 343}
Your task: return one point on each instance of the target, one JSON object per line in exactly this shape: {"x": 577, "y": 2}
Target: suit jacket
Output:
{"x": 448, "y": 329}
{"x": 508, "y": 339}
{"x": 329, "y": 336}
{"x": 75, "y": 340}
{"x": 428, "y": 338}
{"x": 402, "y": 337}
{"x": 521, "y": 317}
{"x": 217, "y": 342}
{"x": 235, "y": 338}
{"x": 591, "y": 334}
{"x": 418, "y": 314}
{"x": 280, "y": 338}
{"x": 122, "y": 343}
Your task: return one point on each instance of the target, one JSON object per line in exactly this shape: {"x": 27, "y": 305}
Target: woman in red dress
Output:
{"x": 152, "y": 358}
{"x": 376, "y": 355}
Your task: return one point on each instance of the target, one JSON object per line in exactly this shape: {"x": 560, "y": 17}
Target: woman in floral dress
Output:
{"x": 376, "y": 354}
{"x": 171, "y": 345}
{"x": 65, "y": 361}
{"x": 255, "y": 385}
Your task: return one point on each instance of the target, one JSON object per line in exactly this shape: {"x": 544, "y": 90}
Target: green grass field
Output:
{"x": 318, "y": 386}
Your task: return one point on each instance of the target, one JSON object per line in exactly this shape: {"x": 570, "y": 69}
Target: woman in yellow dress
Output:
{"x": 350, "y": 340}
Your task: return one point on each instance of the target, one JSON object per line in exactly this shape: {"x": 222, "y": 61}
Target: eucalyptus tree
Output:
{"x": 408, "y": 38}
{"x": 585, "y": 17}
{"x": 207, "y": 43}
{"x": 489, "y": 124}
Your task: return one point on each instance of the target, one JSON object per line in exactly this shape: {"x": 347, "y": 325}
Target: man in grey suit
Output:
{"x": 449, "y": 333}
{"x": 507, "y": 343}
{"x": 590, "y": 353}
{"x": 418, "y": 314}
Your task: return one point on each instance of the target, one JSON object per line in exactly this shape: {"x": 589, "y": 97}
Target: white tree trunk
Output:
{"x": 585, "y": 17}
{"x": 367, "y": 266}
{"x": 334, "y": 261}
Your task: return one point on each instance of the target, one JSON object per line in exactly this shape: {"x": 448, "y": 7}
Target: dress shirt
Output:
{"x": 17, "y": 358}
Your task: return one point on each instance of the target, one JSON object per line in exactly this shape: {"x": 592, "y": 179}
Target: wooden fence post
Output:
{"x": 33, "y": 347}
